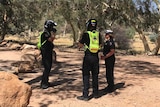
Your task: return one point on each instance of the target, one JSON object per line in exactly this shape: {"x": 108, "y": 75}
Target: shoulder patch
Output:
{"x": 110, "y": 43}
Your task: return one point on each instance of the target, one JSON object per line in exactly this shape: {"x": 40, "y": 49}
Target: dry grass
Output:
{"x": 66, "y": 40}
{"x": 137, "y": 45}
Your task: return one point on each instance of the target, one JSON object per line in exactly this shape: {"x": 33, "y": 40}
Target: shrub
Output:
{"x": 153, "y": 37}
{"x": 130, "y": 32}
{"x": 123, "y": 37}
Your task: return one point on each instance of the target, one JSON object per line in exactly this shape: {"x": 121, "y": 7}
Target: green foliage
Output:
{"x": 18, "y": 16}
{"x": 153, "y": 37}
{"x": 130, "y": 32}
{"x": 21, "y": 15}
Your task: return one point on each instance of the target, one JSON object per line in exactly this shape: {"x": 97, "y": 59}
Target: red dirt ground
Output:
{"x": 137, "y": 81}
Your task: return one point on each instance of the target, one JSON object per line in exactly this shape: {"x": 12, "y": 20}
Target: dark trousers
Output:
{"x": 90, "y": 63}
{"x": 47, "y": 63}
{"x": 109, "y": 62}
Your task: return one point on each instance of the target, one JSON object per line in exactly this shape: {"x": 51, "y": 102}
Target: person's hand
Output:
{"x": 53, "y": 35}
{"x": 51, "y": 39}
{"x": 103, "y": 57}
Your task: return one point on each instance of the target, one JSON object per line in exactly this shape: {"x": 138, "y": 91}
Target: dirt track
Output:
{"x": 137, "y": 80}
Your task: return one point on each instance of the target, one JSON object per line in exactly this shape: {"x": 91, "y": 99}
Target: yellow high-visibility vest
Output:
{"x": 94, "y": 42}
{"x": 39, "y": 44}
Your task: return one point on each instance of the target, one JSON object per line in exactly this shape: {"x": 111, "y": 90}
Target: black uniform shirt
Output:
{"x": 108, "y": 45}
{"x": 48, "y": 46}
{"x": 86, "y": 40}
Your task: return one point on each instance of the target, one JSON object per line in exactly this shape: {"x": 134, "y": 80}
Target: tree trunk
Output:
{"x": 145, "y": 43}
{"x": 74, "y": 32}
{"x": 143, "y": 38}
{"x": 156, "y": 49}
{"x": 2, "y": 38}
{"x": 4, "y": 27}
{"x": 4, "y": 32}
{"x": 64, "y": 31}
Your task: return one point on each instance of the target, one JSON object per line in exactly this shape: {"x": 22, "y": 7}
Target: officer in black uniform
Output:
{"x": 47, "y": 38}
{"x": 109, "y": 57}
{"x": 90, "y": 62}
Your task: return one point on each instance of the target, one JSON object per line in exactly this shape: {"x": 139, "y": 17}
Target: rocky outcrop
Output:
{"x": 13, "y": 92}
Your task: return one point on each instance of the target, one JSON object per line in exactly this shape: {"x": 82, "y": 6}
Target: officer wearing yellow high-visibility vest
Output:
{"x": 46, "y": 48}
{"x": 91, "y": 40}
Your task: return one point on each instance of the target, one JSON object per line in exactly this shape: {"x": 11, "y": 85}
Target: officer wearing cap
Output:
{"x": 109, "y": 57}
{"x": 91, "y": 41}
{"x": 47, "y": 38}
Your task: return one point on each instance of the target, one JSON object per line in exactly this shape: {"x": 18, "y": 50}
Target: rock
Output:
{"x": 14, "y": 46}
{"x": 3, "y": 44}
{"x": 39, "y": 61}
{"x": 28, "y": 57}
{"x": 26, "y": 46}
{"x": 150, "y": 54}
{"x": 28, "y": 63}
{"x": 25, "y": 67}
{"x": 13, "y": 92}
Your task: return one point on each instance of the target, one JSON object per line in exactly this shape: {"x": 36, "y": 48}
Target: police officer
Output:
{"x": 91, "y": 40}
{"x": 109, "y": 57}
{"x": 47, "y": 38}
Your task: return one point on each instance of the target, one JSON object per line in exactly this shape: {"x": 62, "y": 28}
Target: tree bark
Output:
{"x": 4, "y": 32}
{"x": 156, "y": 49}
{"x": 4, "y": 27}
{"x": 64, "y": 31}
{"x": 144, "y": 40}
{"x": 74, "y": 32}
{"x": 145, "y": 43}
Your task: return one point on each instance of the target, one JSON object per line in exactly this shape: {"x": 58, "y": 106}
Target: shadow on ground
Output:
{"x": 139, "y": 67}
{"x": 66, "y": 76}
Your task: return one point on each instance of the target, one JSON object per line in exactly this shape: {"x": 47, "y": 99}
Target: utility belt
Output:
{"x": 88, "y": 53}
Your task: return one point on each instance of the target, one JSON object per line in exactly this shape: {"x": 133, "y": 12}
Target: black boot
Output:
{"x": 83, "y": 98}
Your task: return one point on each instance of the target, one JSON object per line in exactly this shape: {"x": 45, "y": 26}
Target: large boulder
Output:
{"x": 3, "y": 44}
{"x": 26, "y": 67}
{"x": 27, "y": 64}
{"x": 13, "y": 46}
{"x": 13, "y": 92}
{"x": 32, "y": 60}
{"x": 27, "y": 46}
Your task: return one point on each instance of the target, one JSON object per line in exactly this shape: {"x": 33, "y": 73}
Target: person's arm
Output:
{"x": 112, "y": 51}
{"x": 45, "y": 36}
{"x": 82, "y": 41}
{"x": 52, "y": 37}
{"x": 80, "y": 45}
